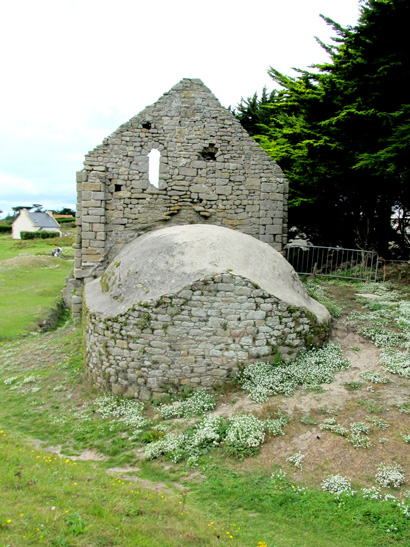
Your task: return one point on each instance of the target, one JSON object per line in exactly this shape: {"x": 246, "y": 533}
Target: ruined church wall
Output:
{"x": 196, "y": 338}
{"x": 210, "y": 171}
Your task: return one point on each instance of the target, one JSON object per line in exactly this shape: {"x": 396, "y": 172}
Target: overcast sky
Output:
{"x": 74, "y": 70}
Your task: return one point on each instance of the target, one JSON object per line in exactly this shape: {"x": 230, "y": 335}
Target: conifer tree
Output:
{"x": 341, "y": 132}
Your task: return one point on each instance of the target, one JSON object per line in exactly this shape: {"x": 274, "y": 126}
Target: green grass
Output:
{"x": 46, "y": 401}
{"x": 11, "y": 248}
{"x": 53, "y": 501}
{"x": 30, "y": 281}
{"x": 29, "y": 287}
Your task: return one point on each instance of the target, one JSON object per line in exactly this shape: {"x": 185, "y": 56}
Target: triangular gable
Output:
{"x": 210, "y": 171}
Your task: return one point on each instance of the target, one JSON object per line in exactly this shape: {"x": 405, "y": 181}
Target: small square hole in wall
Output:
{"x": 117, "y": 187}
{"x": 209, "y": 152}
{"x": 146, "y": 125}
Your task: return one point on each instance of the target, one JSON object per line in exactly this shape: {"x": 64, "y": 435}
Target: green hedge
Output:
{"x": 38, "y": 235}
{"x": 65, "y": 220}
{"x": 5, "y": 229}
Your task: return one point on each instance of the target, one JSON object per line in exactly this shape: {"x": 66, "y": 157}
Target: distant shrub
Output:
{"x": 4, "y": 229}
{"x": 66, "y": 220}
{"x": 38, "y": 235}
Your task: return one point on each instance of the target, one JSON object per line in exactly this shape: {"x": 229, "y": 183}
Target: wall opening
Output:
{"x": 146, "y": 125}
{"x": 117, "y": 187}
{"x": 209, "y": 152}
{"x": 153, "y": 167}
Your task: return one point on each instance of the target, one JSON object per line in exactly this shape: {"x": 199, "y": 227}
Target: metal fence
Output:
{"x": 333, "y": 262}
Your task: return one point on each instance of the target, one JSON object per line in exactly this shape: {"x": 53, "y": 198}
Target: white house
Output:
{"x": 34, "y": 222}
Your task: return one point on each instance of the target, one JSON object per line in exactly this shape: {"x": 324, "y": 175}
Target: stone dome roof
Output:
{"x": 165, "y": 261}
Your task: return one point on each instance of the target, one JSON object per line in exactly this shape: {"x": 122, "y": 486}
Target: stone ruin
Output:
{"x": 178, "y": 212}
{"x": 185, "y": 305}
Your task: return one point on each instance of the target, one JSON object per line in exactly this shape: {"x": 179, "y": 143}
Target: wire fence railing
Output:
{"x": 333, "y": 262}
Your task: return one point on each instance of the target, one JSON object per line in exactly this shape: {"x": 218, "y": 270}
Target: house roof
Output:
{"x": 43, "y": 220}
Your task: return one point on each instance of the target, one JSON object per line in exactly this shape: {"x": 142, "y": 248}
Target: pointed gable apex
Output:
{"x": 210, "y": 171}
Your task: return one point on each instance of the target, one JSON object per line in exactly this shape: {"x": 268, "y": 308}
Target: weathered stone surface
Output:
{"x": 168, "y": 304}
{"x": 210, "y": 171}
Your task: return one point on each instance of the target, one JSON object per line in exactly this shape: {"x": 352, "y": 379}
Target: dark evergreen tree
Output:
{"x": 341, "y": 132}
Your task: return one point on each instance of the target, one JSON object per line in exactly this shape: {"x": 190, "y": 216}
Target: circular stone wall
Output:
{"x": 186, "y": 305}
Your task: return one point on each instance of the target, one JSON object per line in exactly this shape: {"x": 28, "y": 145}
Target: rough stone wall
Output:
{"x": 210, "y": 171}
{"x": 196, "y": 337}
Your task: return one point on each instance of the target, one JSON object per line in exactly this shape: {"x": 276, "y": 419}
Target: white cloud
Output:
{"x": 15, "y": 186}
{"x": 74, "y": 70}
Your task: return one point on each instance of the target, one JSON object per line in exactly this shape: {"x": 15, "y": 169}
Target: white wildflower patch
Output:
{"x": 245, "y": 433}
{"x": 29, "y": 379}
{"x": 378, "y": 422}
{"x": 396, "y": 362}
{"x": 379, "y": 317}
{"x": 240, "y": 435}
{"x": 402, "y": 317}
{"x": 338, "y": 485}
{"x": 172, "y": 446}
{"x": 195, "y": 405}
{"x": 274, "y": 426}
{"x": 372, "y": 493}
{"x": 310, "y": 368}
{"x": 406, "y": 438}
{"x": 359, "y": 427}
{"x": 383, "y": 338}
{"x": 9, "y": 381}
{"x": 390, "y": 475}
{"x": 190, "y": 444}
{"x": 296, "y": 459}
{"x": 360, "y": 441}
{"x": 330, "y": 424}
{"x": 374, "y": 377}
{"x": 384, "y": 290}
{"x": 122, "y": 410}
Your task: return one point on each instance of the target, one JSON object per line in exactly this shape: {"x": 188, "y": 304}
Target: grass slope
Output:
{"x": 74, "y": 476}
{"x": 30, "y": 282}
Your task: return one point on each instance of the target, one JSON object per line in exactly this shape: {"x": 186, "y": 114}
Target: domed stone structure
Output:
{"x": 185, "y": 305}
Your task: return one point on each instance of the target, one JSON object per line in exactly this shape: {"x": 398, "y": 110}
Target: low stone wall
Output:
{"x": 197, "y": 337}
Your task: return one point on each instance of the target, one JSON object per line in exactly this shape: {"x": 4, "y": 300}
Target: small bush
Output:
{"x": 244, "y": 435}
{"x": 195, "y": 405}
{"x": 331, "y": 425}
{"x": 359, "y": 427}
{"x": 66, "y": 220}
{"x": 5, "y": 229}
{"x": 359, "y": 441}
{"x": 336, "y": 484}
{"x": 390, "y": 475}
{"x": 374, "y": 377}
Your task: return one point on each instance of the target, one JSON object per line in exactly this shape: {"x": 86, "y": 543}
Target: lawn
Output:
{"x": 11, "y": 248}
{"x": 31, "y": 280}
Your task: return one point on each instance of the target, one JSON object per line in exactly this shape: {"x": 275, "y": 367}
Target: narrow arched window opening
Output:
{"x": 153, "y": 167}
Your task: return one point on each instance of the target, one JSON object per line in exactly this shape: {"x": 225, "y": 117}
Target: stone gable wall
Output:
{"x": 211, "y": 172}
{"x": 197, "y": 337}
